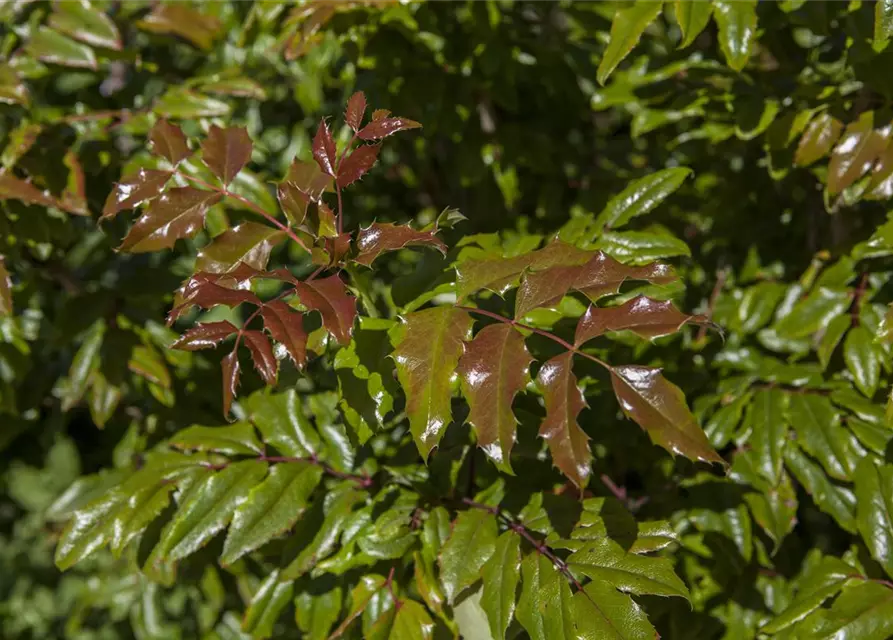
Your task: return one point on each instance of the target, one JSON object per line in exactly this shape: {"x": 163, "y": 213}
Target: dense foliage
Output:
{"x": 277, "y": 362}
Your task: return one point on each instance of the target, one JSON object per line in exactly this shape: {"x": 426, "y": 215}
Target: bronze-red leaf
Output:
{"x": 600, "y": 276}
{"x": 206, "y": 294}
{"x": 333, "y": 301}
{"x": 205, "y": 336}
{"x": 262, "y": 355}
{"x": 646, "y": 317}
{"x": 231, "y": 372}
{"x": 568, "y": 443}
{"x": 226, "y": 151}
{"x": 380, "y": 237}
{"x": 133, "y": 190}
{"x": 356, "y": 109}
{"x": 323, "y": 148}
{"x": 178, "y": 213}
{"x": 249, "y": 243}
{"x": 5, "y": 290}
{"x": 493, "y": 370}
{"x": 659, "y": 407}
{"x": 286, "y": 326}
{"x": 12, "y": 188}
{"x": 357, "y": 164}
{"x": 168, "y": 141}
{"x": 383, "y": 127}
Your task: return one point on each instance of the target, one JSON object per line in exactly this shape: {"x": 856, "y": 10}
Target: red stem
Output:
{"x": 253, "y": 207}
{"x": 564, "y": 343}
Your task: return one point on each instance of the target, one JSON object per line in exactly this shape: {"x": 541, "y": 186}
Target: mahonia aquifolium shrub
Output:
{"x": 427, "y": 428}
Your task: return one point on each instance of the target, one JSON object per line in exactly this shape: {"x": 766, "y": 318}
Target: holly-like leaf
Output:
{"x": 272, "y": 508}
{"x": 356, "y": 109}
{"x": 178, "y": 213}
{"x": 235, "y": 439}
{"x": 813, "y": 313}
{"x": 381, "y": 237}
{"x": 355, "y": 166}
{"x": 324, "y": 149}
{"x": 267, "y": 604}
{"x": 494, "y": 369}
{"x": 168, "y": 141}
{"x": 604, "y": 560}
{"x": 205, "y": 336}
{"x": 601, "y": 612}
{"x": 628, "y": 25}
{"x": 5, "y": 290}
{"x": 863, "y": 610}
{"x": 249, "y": 243}
{"x": 334, "y": 303}
{"x": 470, "y": 545}
{"x": 817, "y": 140}
{"x": 232, "y": 370}
{"x": 501, "y": 274}
{"x": 286, "y": 326}
{"x": 643, "y": 316}
{"x": 427, "y": 354}
{"x": 293, "y": 202}
{"x": 640, "y": 196}
{"x": 134, "y": 190}
{"x": 206, "y": 293}
{"x": 692, "y": 16}
{"x": 12, "y": 188}
{"x": 383, "y": 127}
{"x": 85, "y": 23}
{"x": 859, "y": 146}
{"x": 198, "y": 28}
{"x": 207, "y": 509}
{"x": 226, "y": 151}
{"x": 824, "y": 581}
{"x": 600, "y": 276}
{"x": 737, "y": 22}
{"x": 659, "y": 407}
{"x": 501, "y": 575}
{"x": 820, "y": 434}
{"x": 568, "y": 443}
{"x": 262, "y": 355}
{"x": 282, "y": 423}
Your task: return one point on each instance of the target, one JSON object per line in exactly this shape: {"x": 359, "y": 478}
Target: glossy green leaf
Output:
{"x": 283, "y": 424}
{"x": 813, "y": 313}
{"x": 627, "y": 27}
{"x": 236, "y": 439}
{"x": 859, "y": 146}
{"x": 545, "y": 596}
{"x": 12, "y": 89}
{"x": 316, "y": 613}
{"x": 207, "y": 509}
{"x": 831, "y": 338}
{"x": 863, "y": 611}
{"x": 85, "y": 362}
{"x": 604, "y": 560}
{"x": 271, "y": 509}
{"x": 471, "y": 543}
{"x": 883, "y": 23}
{"x": 601, "y": 612}
{"x": 427, "y": 353}
{"x": 874, "y": 510}
{"x": 692, "y": 16}
{"x": 267, "y": 604}
{"x": 837, "y": 501}
{"x": 641, "y": 247}
{"x": 642, "y": 195}
{"x": 180, "y": 103}
{"x": 501, "y": 575}
{"x": 767, "y": 424}
{"x": 774, "y": 508}
{"x": 53, "y": 47}
{"x": 85, "y": 23}
{"x": 820, "y": 434}
{"x": 862, "y": 359}
{"x": 737, "y": 22}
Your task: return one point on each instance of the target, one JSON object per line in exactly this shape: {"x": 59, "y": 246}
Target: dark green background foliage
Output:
{"x": 449, "y": 458}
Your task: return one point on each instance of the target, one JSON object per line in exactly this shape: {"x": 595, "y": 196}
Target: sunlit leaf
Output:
{"x": 692, "y": 16}
{"x": 501, "y": 575}
{"x": 383, "y": 127}
{"x": 874, "y": 510}
{"x": 53, "y": 47}
{"x": 226, "y": 151}
{"x": 177, "y": 213}
{"x": 640, "y": 196}
{"x": 134, "y": 190}
{"x": 334, "y": 303}
{"x": 356, "y": 109}
{"x": 381, "y": 237}
{"x": 355, "y": 166}
{"x": 85, "y": 23}
{"x": 645, "y": 317}
{"x": 470, "y": 545}
{"x": 324, "y": 149}
{"x": 628, "y": 25}
{"x": 737, "y": 22}
{"x": 181, "y": 20}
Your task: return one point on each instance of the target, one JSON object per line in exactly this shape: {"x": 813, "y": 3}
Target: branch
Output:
{"x": 564, "y": 343}
{"x": 252, "y": 206}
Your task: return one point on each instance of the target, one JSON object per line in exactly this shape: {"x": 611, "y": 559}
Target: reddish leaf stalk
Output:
{"x": 522, "y": 531}
{"x": 858, "y": 298}
{"x": 255, "y": 208}
{"x": 564, "y": 343}
{"x": 340, "y": 216}
{"x": 711, "y": 305}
